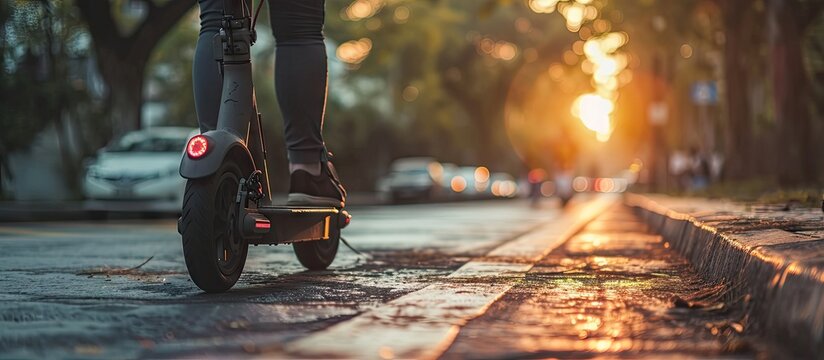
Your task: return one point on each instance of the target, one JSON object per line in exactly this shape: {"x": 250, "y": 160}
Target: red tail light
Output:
{"x": 197, "y": 146}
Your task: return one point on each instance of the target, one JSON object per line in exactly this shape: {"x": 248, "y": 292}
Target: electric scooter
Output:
{"x": 227, "y": 203}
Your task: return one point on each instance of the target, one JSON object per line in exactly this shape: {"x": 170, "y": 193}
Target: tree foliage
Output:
{"x": 428, "y": 85}
{"x": 41, "y": 83}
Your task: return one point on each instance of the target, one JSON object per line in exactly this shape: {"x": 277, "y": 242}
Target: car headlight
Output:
{"x": 92, "y": 172}
{"x": 152, "y": 176}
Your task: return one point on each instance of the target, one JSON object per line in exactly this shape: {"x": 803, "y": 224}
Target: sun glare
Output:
{"x": 595, "y": 112}
{"x": 603, "y": 60}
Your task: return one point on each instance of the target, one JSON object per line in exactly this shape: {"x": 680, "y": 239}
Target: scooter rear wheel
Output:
{"x": 214, "y": 250}
{"x": 319, "y": 254}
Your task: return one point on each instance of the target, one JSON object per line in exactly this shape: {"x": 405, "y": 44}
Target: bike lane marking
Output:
{"x": 424, "y": 323}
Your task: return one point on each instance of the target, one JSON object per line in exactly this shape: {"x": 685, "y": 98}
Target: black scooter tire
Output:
{"x": 207, "y": 219}
{"x": 319, "y": 254}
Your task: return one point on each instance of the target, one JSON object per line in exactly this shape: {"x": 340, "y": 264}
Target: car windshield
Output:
{"x": 411, "y": 172}
{"x": 137, "y": 142}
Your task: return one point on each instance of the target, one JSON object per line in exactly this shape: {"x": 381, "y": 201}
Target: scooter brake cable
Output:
{"x": 367, "y": 256}
{"x": 257, "y": 12}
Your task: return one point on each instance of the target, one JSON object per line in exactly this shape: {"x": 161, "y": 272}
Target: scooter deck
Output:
{"x": 287, "y": 224}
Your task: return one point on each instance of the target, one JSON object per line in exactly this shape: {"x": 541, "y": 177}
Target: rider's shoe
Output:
{"x": 322, "y": 190}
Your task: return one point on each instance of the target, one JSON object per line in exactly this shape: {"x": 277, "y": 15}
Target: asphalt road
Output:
{"x": 493, "y": 279}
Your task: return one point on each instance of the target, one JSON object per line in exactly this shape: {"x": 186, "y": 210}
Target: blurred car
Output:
{"x": 503, "y": 185}
{"x": 450, "y": 170}
{"x": 463, "y": 182}
{"x": 413, "y": 178}
{"x": 141, "y": 165}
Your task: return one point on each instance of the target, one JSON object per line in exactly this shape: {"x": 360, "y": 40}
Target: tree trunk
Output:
{"x": 126, "y": 92}
{"x": 125, "y": 103}
{"x": 122, "y": 58}
{"x": 796, "y": 159}
{"x": 738, "y": 130}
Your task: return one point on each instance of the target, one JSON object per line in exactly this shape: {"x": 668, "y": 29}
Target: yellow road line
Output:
{"x": 30, "y": 232}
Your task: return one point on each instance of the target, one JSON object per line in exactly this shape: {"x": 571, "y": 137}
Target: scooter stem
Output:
{"x": 237, "y": 108}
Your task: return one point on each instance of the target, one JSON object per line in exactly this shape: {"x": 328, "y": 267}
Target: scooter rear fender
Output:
{"x": 221, "y": 143}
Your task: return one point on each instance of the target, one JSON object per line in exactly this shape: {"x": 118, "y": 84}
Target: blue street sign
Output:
{"x": 704, "y": 93}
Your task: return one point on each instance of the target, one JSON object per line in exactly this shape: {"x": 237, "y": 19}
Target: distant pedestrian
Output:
{"x": 699, "y": 169}
{"x": 535, "y": 177}
{"x": 680, "y": 169}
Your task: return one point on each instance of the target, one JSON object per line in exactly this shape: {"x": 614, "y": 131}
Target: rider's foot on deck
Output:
{"x": 322, "y": 190}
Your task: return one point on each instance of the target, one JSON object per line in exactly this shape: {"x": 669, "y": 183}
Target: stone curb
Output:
{"x": 777, "y": 273}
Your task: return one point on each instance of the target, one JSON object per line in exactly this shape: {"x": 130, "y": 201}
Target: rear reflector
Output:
{"x": 197, "y": 146}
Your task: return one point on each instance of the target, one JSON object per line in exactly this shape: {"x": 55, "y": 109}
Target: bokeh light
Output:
{"x": 458, "y": 184}
{"x": 354, "y": 51}
{"x": 362, "y": 9}
{"x": 543, "y": 6}
{"x": 595, "y": 112}
{"x": 481, "y": 174}
{"x": 603, "y": 60}
{"x": 500, "y": 50}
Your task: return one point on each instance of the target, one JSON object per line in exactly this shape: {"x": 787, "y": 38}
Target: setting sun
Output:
{"x": 595, "y": 111}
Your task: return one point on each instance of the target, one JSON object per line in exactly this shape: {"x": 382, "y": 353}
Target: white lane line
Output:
{"x": 424, "y": 323}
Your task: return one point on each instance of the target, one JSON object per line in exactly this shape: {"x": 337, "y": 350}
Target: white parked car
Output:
{"x": 503, "y": 185}
{"x": 141, "y": 165}
{"x": 450, "y": 170}
{"x": 414, "y": 178}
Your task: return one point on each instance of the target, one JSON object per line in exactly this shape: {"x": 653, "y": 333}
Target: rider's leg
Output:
{"x": 300, "y": 82}
{"x": 300, "y": 77}
{"x": 300, "y": 74}
{"x": 301, "y": 87}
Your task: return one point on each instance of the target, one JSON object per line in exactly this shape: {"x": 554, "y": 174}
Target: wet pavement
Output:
{"x": 68, "y": 289}
{"x": 471, "y": 279}
{"x": 613, "y": 290}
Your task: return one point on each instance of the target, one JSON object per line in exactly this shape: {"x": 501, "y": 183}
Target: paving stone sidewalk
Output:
{"x": 608, "y": 292}
{"x": 770, "y": 256}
